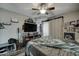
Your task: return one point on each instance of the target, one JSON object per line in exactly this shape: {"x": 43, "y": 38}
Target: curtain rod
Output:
{"x": 49, "y": 19}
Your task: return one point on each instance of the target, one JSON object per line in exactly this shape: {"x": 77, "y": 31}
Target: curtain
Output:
{"x": 45, "y": 29}
{"x": 56, "y": 28}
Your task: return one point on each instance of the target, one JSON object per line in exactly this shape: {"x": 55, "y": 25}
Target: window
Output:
{"x": 45, "y": 29}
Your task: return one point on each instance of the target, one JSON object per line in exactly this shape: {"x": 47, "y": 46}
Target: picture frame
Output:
{"x": 69, "y": 36}
{"x": 77, "y": 21}
{"x": 72, "y": 22}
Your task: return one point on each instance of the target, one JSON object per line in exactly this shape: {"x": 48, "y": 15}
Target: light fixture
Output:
{"x": 42, "y": 11}
{"x": 43, "y": 7}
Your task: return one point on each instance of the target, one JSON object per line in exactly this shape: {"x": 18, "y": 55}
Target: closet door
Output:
{"x": 56, "y": 28}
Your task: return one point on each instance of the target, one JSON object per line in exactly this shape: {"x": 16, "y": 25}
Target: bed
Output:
{"x": 46, "y": 46}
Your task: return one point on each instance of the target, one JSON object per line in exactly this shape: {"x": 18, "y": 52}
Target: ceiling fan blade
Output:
{"x": 35, "y": 9}
{"x": 51, "y": 8}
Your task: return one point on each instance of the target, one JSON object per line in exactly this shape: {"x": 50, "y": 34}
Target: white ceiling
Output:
{"x": 26, "y": 8}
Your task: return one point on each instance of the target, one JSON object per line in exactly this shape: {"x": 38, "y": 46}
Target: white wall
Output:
{"x": 10, "y": 31}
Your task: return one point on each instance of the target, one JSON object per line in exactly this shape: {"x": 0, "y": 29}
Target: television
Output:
{"x": 28, "y": 27}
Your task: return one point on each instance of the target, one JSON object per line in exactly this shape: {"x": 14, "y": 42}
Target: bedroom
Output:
{"x": 53, "y": 31}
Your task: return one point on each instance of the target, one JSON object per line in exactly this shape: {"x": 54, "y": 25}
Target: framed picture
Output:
{"x": 77, "y": 21}
{"x": 69, "y": 36}
{"x": 72, "y": 22}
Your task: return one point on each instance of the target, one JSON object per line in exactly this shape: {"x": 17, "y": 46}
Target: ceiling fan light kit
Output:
{"x": 43, "y": 8}
{"x": 42, "y": 11}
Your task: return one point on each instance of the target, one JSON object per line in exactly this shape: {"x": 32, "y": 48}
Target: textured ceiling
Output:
{"x": 26, "y": 8}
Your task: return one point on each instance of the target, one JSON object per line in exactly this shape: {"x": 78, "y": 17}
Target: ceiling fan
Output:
{"x": 43, "y": 8}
